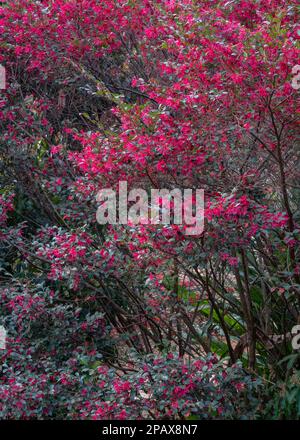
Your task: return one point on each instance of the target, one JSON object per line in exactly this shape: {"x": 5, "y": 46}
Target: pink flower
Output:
{"x": 121, "y": 387}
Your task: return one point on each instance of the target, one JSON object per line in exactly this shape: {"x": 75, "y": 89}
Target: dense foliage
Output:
{"x": 144, "y": 321}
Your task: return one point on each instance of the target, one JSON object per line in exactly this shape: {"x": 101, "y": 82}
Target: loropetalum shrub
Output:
{"x": 167, "y": 387}
{"x": 160, "y": 387}
{"x": 49, "y": 346}
{"x": 165, "y": 94}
